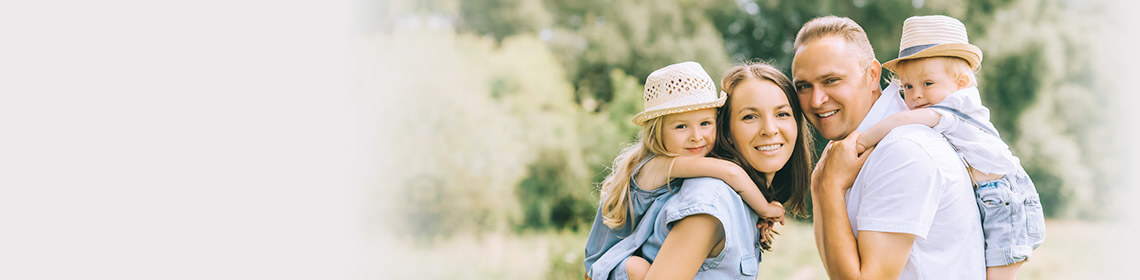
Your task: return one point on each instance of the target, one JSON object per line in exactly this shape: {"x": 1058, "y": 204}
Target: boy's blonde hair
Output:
{"x": 955, "y": 66}
{"x": 615, "y": 188}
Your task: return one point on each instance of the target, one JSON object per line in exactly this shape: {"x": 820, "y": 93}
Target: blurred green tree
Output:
{"x": 559, "y": 80}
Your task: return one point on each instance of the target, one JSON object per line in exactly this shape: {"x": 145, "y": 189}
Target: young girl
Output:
{"x": 678, "y": 131}
{"x": 939, "y": 87}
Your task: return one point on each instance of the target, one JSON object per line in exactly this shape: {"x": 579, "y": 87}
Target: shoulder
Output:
{"x": 703, "y": 181}
{"x": 705, "y": 189}
{"x": 967, "y": 100}
{"x": 910, "y": 148}
{"x": 703, "y": 195}
{"x": 919, "y": 152}
{"x": 909, "y": 139}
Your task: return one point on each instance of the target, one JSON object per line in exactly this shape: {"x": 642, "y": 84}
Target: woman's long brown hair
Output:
{"x": 791, "y": 183}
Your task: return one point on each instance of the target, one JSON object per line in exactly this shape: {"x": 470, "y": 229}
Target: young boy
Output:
{"x": 935, "y": 72}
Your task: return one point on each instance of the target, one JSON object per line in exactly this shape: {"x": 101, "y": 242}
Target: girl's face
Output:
{"x": 763, "y": 126}
{"x": 690, "y": 133}
{"x": 927, "y": 81}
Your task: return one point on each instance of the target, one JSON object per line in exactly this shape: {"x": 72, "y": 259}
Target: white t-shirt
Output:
{"x": 915, "y": 183}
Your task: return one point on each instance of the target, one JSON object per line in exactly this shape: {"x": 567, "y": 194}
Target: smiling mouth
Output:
{"x": 769, "y": 148}
{"x": 696, "y": 149}
{"x": 828, "y": 114}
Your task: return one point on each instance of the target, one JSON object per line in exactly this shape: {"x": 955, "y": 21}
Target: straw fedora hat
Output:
{"x": 678, "y": 88}
{"x": 931, "y": 36}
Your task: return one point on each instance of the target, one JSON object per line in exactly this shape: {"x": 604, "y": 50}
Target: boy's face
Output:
{"x": 927, "y": 81}
{"x": 690, "y": 133}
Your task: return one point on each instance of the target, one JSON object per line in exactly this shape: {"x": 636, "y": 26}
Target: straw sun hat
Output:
{"x": 678, "y": 88}
{"x": 931, "y": 36}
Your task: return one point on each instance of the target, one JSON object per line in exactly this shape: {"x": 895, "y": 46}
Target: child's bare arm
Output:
{"x": 734, "y": 175}
{"x": 873, "y": 135}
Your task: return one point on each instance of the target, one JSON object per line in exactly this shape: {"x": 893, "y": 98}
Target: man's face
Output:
{"x": 834, "y": 85}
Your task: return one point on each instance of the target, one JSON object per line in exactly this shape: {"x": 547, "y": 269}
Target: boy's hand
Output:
{"x": 860, "y": 147}
{"x": 862, "y": 143}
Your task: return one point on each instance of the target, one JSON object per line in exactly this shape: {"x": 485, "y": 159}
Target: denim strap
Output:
{"x": 974, "y": 122}
{"x": 967, "y": 118}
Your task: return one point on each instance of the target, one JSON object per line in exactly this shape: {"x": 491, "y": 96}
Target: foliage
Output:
{"x": 1038, "y": 78}
{"x": 515, "y": 108}
{"x": 497, "y": 127}
{"x": 636, "y": 36}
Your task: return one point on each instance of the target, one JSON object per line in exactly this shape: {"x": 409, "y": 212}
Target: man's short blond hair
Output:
{"x": 851, "y": 32}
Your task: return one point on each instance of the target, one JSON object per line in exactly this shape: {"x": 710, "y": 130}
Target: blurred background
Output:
{"x": 446, "y": 139}
{"x": 504, "y": 115}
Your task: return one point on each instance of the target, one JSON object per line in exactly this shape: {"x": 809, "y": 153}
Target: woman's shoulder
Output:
{"x": 704, "y": 181}
{"x": 703, "y": 195}
{"x": 706, "y": 187}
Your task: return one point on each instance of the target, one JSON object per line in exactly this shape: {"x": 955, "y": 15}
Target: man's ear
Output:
{"x": 875, "y": 69}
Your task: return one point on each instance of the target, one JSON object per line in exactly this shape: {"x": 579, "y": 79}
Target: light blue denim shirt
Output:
{"x": 741, "y": 255}
{"x": 645, "y": 205}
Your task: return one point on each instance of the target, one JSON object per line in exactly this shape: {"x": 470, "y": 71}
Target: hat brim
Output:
{"x": 641, "y": 118}
{"x": 972, "y": 54}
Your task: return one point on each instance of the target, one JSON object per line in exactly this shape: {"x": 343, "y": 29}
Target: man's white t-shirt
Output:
{"x": 915, "y": 183}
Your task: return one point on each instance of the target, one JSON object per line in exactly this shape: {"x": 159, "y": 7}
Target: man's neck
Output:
{"x": 881, "y": 107}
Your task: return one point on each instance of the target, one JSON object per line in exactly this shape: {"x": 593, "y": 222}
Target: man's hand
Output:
{"x": 839, "y": 164}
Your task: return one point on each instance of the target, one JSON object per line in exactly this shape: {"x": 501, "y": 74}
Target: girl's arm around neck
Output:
{"x": 734, "y": 175}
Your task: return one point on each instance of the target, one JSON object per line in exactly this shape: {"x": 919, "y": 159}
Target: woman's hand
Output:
{"x": 765, "y": 229}
{"x": 839, "y": 164}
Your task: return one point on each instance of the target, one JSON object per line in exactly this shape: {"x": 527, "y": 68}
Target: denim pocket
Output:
{"x": 1034, "y": 218}
{"x": 991, "y": 196}
{"x": 749, "y": 266}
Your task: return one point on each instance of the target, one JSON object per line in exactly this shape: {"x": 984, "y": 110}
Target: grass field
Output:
{"x": 1072, "y": 250}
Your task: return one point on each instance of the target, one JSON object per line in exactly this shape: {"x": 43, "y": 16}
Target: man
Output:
{"x": 910, "y": 212}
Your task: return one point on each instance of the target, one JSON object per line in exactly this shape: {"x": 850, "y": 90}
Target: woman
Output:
{"x": 705, "y": 230}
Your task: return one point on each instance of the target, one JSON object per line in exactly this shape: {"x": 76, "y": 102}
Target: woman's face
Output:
{"x": 763, "y": 126}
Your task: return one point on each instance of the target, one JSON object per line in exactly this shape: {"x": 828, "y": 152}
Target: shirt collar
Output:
{"x": 962, "y": 98}
{"x": 889, "y": 102}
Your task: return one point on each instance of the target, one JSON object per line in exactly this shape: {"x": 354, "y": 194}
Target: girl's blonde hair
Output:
{"x": 615, "y": 188}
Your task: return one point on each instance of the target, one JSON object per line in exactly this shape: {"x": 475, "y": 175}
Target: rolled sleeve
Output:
{"x": 904, "y": 196}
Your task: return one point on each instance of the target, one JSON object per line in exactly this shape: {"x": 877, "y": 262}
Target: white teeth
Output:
{"x": 828, "y": 114}
{"x": 772, "y": 147}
